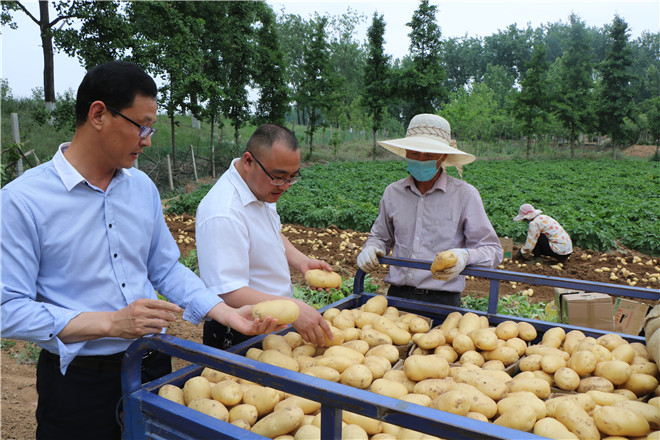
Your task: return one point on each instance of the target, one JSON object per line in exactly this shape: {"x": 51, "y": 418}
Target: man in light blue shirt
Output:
{"x": 84, "y": 248}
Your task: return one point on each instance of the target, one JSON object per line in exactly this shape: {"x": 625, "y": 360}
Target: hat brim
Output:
{"x": 424, "y": 144}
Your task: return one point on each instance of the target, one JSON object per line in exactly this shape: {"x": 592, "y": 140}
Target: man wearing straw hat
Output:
{"x": 429, "y": 212}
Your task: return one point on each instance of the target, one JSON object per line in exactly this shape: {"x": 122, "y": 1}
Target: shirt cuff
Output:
{"x": 200, "y": 307}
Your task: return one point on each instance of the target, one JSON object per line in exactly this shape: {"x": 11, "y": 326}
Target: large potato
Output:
{"x": 595, "y": 383}
{"x": 339, "y": 363}
{"x": 389, "y": 388}
{"x": 326, "y": 373}
{"x": 484, "y": 339}
{"x": 523, "y": 398}
{"x": 479, "y": 402}
{"x": 433, "y": 387}
{"x": 419, "y": 367}
{"x": 215, "y": 376}
{"x": 430, "y": 340}
{"x": 535, "y": 385}
{"x": 279, "y": 422}
{"x": 613, "y": 420}
{"x": 378, "y": 365}
{"x": 262, "y": 398}
{"x": 388, "y": 351}
{"x": 451, "y": 321}
{"x": 617, "y": 372}
{"x": 276, "y": 342}
{"x": 566, "y": 379}
{"x": 274, "y": 357}
{"x": 650, "y": 411}
{"x": 385, "y": 325}
{"x": 454, "y": 401}
{"x": 447, "y": 352}
{"x": 526, "y": 331}
{"x": 344, "y": 320}
{"x": 284, "y": 310}
{"x": 487, "y": 384}
{"x": 377, "y": 304}
{"x": 308, "y": 406}
{"x": 506, "y": 330}
{"x": 583, "y": 362}
{"x": 502, "y": 353}
{"x": 468, "y": 323}
{"x": 244, "y": 411}
{"x": 210, "y": 407}
{"x": 641, "y": 384}
{"x": 227, "y": 392}
{"x": 357, "y": 375}
{"x": 197, "y": 387}
{"x": 552, "y": 428}
{"x": 519, "y": 417}
{"x": 323, "y": 279}
{"x": 374, "y": 337}
{"x": 577, "y": 420}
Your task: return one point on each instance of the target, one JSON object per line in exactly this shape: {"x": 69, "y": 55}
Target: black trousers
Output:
{"x": 543, "y": 248}
{"x": 220, "y": 336}
{"x": 83, "y": 403}
{"x": 432, "y": 296}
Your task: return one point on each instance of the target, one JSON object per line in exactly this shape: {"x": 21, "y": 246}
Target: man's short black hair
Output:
{"x": 267, "y": 134}
{"x": 116, "y": 83}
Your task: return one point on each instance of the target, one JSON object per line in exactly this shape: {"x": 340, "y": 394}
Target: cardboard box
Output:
{"x": 589, "y": 309}
{"x": 629, "y": 316}
{"x": 559, "y": 292}
{"x": 507, "y": 246}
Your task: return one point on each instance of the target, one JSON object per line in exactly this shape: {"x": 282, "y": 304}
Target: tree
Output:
{"x": 511, "y": 48}
{"x": 532, "y": 103}
{"x": 422, "y": 81}
{"x": 45, "y": 30}
{"x": 316, "y": 87}
{"x": 375, "y": 90}
{"x": 574, "y": 84}
{"x": 615, "y": 97}
{"x": 293, "y": 32}
{"x": 269, "y": 71}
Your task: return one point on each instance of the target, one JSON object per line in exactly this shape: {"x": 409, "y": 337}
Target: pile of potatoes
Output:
{"x": 568, "y": 386}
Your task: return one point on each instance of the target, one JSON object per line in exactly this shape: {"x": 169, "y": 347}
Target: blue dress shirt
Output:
{"x": 68, "y": 247}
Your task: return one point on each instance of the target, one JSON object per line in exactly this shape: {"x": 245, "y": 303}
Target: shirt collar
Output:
{"x": 244, "y": 192}
{"x": 69, "y": 175}
{"x": 440, "y": 184}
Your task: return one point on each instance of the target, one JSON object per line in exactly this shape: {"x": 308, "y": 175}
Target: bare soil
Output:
{"x": 19, "y": 395}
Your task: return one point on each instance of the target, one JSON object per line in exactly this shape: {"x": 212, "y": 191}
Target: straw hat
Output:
{"x": 429, "y": 134}
{"x": 527, "y": 212}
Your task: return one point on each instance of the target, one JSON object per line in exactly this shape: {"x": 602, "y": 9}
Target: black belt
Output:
{"x": 413, "y": 289}
{"x": 102, "y": 363}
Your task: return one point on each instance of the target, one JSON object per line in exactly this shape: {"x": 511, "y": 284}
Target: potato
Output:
{"x": 308, "y": 406}
{"x": 370, "y": 426}
{"x": 649, "y": 368}
{"x": 173, "y": 393}
{"x": 506, "y": 330}
{"x": 489, "y": 385}
{"x": 378, "y": 365}
{"x": 551, "y": 363}
{"x": 649, "y": 411}
{"x": 617, "y": 372}
{"x": 319, "y": 278}
{"x": 279, "y": 422}
{"x": 584, "y": 401}
{"x": 340, "y": 350}
{"x": 350, "y": 334}
{"x": 330, "y": 313}
{"x": 433, "y": 387}
{"x": 241, "y": 424}
{"x": 518, "y": 417}
{"x": 419, "y": 367}
{"x": 545, "y": 376}
{"x": 535, "y": 385}
{"x": 620, "y": 421}
{"x": 472, "y": 357}
{"x": 197, "y": 387}
{"x": 443, "y": 260}
{"x": 493, "y": 365}
{"x": 454, "y": 401}
{"x": 624, "y": 352}
{"x": 576, "y": 419}
{"x": 553, "y": 337}
{"x": 358, "y": 345}
{"x": 477, "y": 416}
{"x": 625, "y": 393}
{"x": 552, "y": 428}
{"x": 357, "y": 375}
{"x": 601, "y": 353}
{"x": 583, "y": 362}
{"x": 344, "y": 320}
{"x": 462, "y": 343}
{"x": 451, "y": 321}
{"x": 244, "y": 411}
{"x": 611, "y": 341}
{"x": 253, "y": 353}
{"x": 430, "y": 340}
{"x": 566, "y": 379}
{"x": 530, "y": 363}
{"x": 227, "y": 392}
{"x": 305, "y": 362}
{"x": 294, "y": 339}
{"x": 640, "y": 384}
{"x": 388, "y": 351}
{"x": 517, "y": 344}
{"x": 526, "y": 331}
{"x": 274, "y": 357}
{"x": 447, "y": 352}
{"x": 595, "y": 383}
{"x": 284, "y": 310}
{"x": 572, "y": 340}
{"x": 391, "y": 312}
{"x": 305, "y": 349}
{"x": 374, "y": 337}
{"x": 506, "y": 355}
{"x": 215, "y": 376}
{"x": 545, "y": 350}
{"x": 322, "y": 372}
{"x": 484, "y": 339}
{"x": 337, "y": 337}
{"x": 276, "y": 342}
{"x": 479, "y": 402}
{"x": 605, "y": 399}
{"x": 417, "y": 399}
{"x": 307, "y": 432}
{"x": 353, "y": 432}
{"x": 263, "y": 399}
{"x": 388, "y": 388}
{"x": 522, "y": 398}
{"x": 376, "y": 304}
{"x": 468, "y": 323}
{"x": 210, "y": 407}
{"x": 385, "y": 325}
{"x": 419, "y": 325}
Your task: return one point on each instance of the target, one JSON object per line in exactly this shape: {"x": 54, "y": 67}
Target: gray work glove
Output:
{"x": 368, "y": 258}
{"x": 452, "y": 272}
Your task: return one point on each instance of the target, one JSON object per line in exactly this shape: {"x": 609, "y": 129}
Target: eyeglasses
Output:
{"x": 277, "y": 181}
{"x": 145, "y": 132}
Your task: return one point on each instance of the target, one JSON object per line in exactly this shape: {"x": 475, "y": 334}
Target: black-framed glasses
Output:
{"x": 276, "y": 180}
{"x": 145, "y": 132}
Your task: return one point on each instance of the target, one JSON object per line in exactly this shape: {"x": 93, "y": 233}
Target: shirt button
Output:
{"x": 123, "y": 284}
{"x": 115, "y": 255}
{"x": 110, "y": 225}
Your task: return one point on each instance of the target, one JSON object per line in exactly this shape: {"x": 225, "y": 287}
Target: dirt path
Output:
{"x": 18, "y": 380}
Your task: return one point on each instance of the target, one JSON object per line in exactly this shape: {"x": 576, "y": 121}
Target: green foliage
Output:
{"x": 191, "y": 261}
{"x": 187, "y": 202}
{"x": 516, "y": 304}
{"x": 321, "y": 298}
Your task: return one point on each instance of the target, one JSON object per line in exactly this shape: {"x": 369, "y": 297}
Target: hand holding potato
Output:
{"x": 241, "y": 319}
{"x": 316, "y": 265}
{"x": 442, "y": 267}
{"x": 311, "y": 325}
{"x": 142, "y": 317}
{"x": 321, "y": 279}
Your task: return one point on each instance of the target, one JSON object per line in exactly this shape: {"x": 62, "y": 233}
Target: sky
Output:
{"x": 22, "y": 57}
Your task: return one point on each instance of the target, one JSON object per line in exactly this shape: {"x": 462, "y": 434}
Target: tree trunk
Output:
{"x": 47, "y": 45}
{"x": 373, "y": 153}
{"x": 173, "y": 143}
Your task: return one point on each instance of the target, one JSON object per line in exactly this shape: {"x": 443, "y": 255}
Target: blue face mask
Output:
{"x": 422, "y": 171}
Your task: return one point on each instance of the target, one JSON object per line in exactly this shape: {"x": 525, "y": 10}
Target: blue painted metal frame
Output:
{"x": 149, "y": 416}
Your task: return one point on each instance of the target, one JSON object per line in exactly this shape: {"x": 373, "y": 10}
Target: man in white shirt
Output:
{"x": 242, "y": 254}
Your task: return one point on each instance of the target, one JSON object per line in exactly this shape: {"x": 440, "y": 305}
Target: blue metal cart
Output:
{"x": 149, "y": 416}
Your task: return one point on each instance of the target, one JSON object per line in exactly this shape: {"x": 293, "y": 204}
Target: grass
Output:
{"x": 515, "y": 305}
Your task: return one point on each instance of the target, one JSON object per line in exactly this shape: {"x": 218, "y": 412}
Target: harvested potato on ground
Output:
{"x": 284, "y": 310}
{"x": 323, "y": 279}
{"x": 443, "y": 260}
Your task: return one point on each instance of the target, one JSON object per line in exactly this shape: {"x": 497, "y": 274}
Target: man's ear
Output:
{"x": 95, "y": 114}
